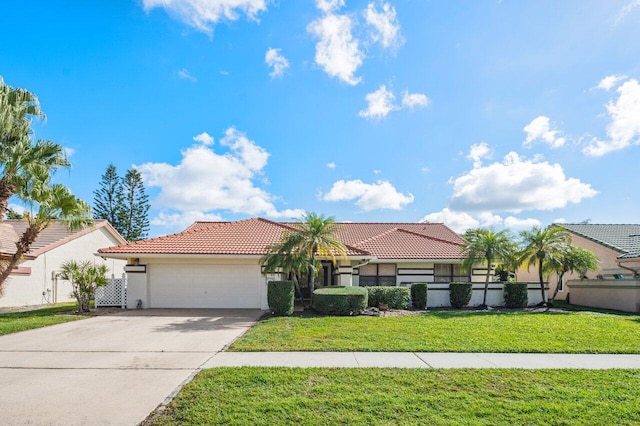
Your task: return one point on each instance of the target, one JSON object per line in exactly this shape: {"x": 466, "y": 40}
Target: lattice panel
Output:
{"x": 113, "y": 294}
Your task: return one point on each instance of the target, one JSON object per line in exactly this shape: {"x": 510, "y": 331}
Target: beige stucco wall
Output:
{"x": 607, "y": 261}
{"x": 23, "y": 290}
{"x": 621, "y": 295}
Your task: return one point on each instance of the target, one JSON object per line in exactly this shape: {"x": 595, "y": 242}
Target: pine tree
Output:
{"x": 134, "y": 219}
{"x": 108, "y": 198}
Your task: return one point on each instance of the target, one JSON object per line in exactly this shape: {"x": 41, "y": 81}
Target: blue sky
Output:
{"x": 475, "y": 113}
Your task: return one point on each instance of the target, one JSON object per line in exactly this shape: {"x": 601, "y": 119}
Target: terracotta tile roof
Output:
{"x": 51, "y": 237}
{"x": 252, "y": 236}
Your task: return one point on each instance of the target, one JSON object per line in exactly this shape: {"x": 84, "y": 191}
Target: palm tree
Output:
{"x": 84, "y": 277}
{"x": 486, "y": 246}
{"x": 300, "y": 249}
{"x": 50, "y": 203}
{"x": 21, "y": 160}
{"x": 542, "y": 246}
{"x": 574, "y": 260}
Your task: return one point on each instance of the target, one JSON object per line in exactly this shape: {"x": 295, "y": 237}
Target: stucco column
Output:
{"x": 345, "y": 274}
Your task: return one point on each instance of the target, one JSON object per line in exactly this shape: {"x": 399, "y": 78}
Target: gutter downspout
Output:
{"x": 636, "y": 273}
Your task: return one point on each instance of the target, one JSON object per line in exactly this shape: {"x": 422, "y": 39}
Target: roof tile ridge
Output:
{"x": 430, "y": 237}
{"x": 597, "y": 241}
{"x": 368, "y": 240}
{"x": 280, "y": 224}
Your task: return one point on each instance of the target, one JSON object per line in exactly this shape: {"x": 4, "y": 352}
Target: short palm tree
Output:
{"x": 301, "y": 249}
{"x": 486, "y": 246}
{"x": 572, "y": 260}
{"x": 542, "y": 246}
{"x": 85, "y": 277}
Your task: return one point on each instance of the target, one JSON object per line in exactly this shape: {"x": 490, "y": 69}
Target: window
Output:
{"x": 378, "y": 274}
{"x": 447, "y": 272}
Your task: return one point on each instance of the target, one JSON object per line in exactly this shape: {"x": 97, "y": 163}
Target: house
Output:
{"x": 216, "y": 264}
{"x": 616, "y": 284}
{"x": 35, "y": 280}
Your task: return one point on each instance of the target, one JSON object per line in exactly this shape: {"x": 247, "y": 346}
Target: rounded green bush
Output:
{"x": 419, "y": 295}
{"x": 460, "y": 294}
{"x": 281, "y": 297}
{"x": 394, "y": 297}
{"x": 338, "y": 300}
{"x": 515, "y": 295}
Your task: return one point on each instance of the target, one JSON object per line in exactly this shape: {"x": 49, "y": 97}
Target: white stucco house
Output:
{"x": 35, "y": 280}
{"x": 216, "y": 264}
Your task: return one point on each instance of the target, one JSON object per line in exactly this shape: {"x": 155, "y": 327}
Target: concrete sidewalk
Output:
{"x": 423, "y": 360}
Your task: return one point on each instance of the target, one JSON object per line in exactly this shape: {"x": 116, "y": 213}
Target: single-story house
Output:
{"x": 217, "y": 264}
{"x": 35, "y": 281}
{"x": 616, "y": 283}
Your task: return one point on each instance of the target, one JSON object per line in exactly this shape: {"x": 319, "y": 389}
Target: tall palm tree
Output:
{"x": 574, "y": 260}
{"x": 486, "y": 246}
{"x": 542, "y": 246}
{"x": 21, "y": 159}
{"x": 311, "y": 239}
{"x": 50, "y": 202}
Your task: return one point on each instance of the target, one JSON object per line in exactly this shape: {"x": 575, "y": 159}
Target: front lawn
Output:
{"x": 21, "y": 321}
{"x": 450, "y": 331}
{"x": 314, "y": 396}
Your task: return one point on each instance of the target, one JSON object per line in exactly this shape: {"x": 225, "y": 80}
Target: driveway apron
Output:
{"x": 109, "y": 370}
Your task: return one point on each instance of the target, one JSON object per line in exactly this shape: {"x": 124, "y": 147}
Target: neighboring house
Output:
{"x": 216, "y": 264}
{"x": 35, "y": 281}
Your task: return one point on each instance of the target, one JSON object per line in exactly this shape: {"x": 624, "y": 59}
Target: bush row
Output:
{"x": 339, "y": 300}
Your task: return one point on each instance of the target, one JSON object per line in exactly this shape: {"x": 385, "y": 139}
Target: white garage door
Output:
{"x": 205, "y": 286}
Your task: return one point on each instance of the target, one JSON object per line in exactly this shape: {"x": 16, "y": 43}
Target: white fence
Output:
{"x": 113, "y": 294}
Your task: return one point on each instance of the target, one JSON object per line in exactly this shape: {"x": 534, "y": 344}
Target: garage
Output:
{"x": 205, "y": 286}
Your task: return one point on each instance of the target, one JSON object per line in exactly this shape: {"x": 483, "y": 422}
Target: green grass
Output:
{"x": 450, "y": 331}
{"x": 21, "y": 321}
{"x": 275, "y": 396}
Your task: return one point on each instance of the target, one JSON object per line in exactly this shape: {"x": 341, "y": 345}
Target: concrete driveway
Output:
{"x": 109, "y": 370}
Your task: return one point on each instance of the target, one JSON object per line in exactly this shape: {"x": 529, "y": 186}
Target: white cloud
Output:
{"x": 517, "y": 223}
{"x": 414, "y": 100}
{"x": 624, "y": 129}
{"x": 610, "y": 81}
{"x": 385, "y": 25}
{"x": 560, "y": 220}
{"x": 205, "y": 181}
{"x": 626, "y": 10}
{"x": 203, "y": 15}
{"x": 377, "y": 172}
{"x": 540, "y": 130}
{"x": 478, "y": 152}
{"x": 274, "y": 59}
{"x": 458, "y": 221}
{"x": 425, "y": 170}
{"x": 16, "y": 208}
{"x": 68, "y": 151}
{"x": 328, "y": 6}
{"x": 204, "y": 138}
{"x": 380, "y": 104}
{"x": 184, "y": 74}
{"x": 331, "y": 165}
{"x": 461, "y": 221}
{"x": 516, "y": 184}
{"x": 337, "y": 51}
{"x": 368, "y": 196}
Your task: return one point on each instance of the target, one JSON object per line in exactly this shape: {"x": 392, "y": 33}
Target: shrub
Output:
{"x": 515, "y": 295}
{"x": 460, "y": 294}
{"x": 338, "y": 300}
{"x": 394, "y": 297}
{"x": 419, "y": 295}
{"x": 280, "y": 296}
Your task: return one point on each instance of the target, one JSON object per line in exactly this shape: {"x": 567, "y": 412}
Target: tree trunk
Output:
{"x": 555, "y": 292}
{"x": 296, "y": 284}
{"x": 486, "y": 284}
{"x": 540, "y": 275}
{"x": 6, "y": 191}
{"x": 22, "y": 247}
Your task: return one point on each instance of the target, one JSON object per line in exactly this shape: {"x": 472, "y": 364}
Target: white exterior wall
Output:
{"x": 144, "y": 286}
{"x": 23, "y": 290}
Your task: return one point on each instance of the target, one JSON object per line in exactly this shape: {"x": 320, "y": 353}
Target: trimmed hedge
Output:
{"x": 460, "y": 294}
{"x": 515, "y": 295}
{"x": 394, "y": 297}
{"x": 419, "y": 295}
{"x": 281, "y": 296}
{"x": 340, "y": 300}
